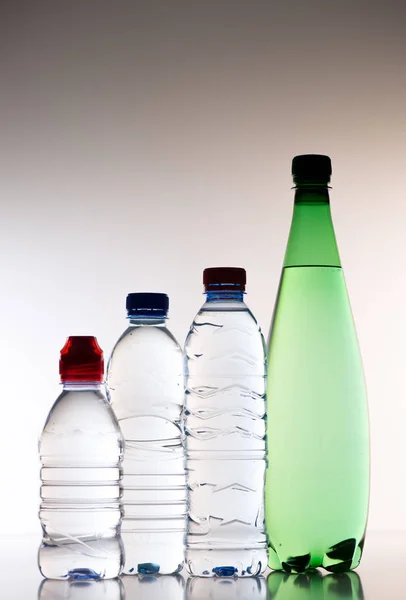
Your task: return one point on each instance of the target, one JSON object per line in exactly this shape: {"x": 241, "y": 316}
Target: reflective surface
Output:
{"x": 252, "y": 588}
{"x": 313, "y": 586}
{"x": 380, "y": 576}
{"x": 153, "y": 587}
{"x": 109, "y": 589}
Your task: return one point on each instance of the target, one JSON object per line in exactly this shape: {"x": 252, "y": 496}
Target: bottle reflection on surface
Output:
{"x": 226, "y": 588}
{"x": 151, "y": 587}
{"x": 313, "y": 586}
{"x": 102, "y": 589}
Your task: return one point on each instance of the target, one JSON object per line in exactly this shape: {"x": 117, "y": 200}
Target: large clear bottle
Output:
{"x": 225, "y": 432}
{"x": 146, "y": 388}
{"x": 317, "y": 481}
{"x": 81, "y": 451}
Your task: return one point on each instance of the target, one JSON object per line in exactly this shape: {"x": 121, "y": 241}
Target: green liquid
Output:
{"x": 317, "y": 479}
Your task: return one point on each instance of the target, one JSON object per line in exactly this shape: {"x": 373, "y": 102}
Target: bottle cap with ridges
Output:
{"x": 81, "y": 359}
{"x": 311, "y": 168}
{"x": 224, "y": 278}
{"x": 147, "y": 303}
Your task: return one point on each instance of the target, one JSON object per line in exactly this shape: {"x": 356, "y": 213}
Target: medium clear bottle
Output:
{"x": 146, "y": 389}
{"x": 81, "y": 450}
{"x": 225, "y": 432}
{"x": 317, "y": 481}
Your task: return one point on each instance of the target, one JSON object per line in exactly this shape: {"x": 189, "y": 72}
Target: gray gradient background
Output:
{"x": 143, "y": 141}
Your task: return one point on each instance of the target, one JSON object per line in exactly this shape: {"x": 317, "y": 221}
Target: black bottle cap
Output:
{"x": 311, "y": 168}
{"x": 147, "y": 303}
{"x": 224, "y": 278}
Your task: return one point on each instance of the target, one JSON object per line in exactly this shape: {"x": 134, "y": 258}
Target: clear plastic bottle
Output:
{"x": 225, "y": 432}
{"x": 81, "y": 450}
{"x": 146, "y": 389}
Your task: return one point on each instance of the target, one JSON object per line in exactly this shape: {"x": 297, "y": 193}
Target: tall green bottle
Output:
{"x": 317, "y": 479}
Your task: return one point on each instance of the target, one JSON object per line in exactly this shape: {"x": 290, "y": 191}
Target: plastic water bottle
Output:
{"x": 225, "y": 432}
{"x": 81, "y": 451}
{"x": 146, "y": 389}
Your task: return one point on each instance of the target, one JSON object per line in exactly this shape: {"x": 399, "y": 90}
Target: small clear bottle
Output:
{"x": 81, "y": 450}
{"x": 145, "y": 385}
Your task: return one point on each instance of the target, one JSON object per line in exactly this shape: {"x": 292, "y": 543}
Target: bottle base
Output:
{"x": 339, "y": 558}
{"x": 226, "y": 563}
{"x": 151, "y": 568}
{"x": 148, "y": 554}
{"x": 86, "y": 561}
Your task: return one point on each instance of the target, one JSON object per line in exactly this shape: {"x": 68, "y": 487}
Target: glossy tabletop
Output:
{"x": 380, "y": 576}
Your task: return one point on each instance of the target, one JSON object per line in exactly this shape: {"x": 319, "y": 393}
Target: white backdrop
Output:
{"x": 143, "y": 141}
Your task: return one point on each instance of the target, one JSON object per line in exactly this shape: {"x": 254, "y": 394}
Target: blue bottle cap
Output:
{"x": 147, "y": 303}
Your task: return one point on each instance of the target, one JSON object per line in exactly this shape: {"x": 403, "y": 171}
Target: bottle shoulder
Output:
{"x": 219, "y": 318}
{"x": 219, "y": 326}
{"x": 81, "y": 428}
{"x": 151, "y": 347}
{"x": 137, "y": 335}
{"x": 73, "y": 407}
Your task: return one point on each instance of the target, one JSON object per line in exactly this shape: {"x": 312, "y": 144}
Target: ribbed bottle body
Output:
{"x": 146, "y": 389}
{"x": 81, "y": 451}
{"x": 225, "y": 441}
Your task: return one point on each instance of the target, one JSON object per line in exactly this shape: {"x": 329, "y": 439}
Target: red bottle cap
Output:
{"x": 81, "y": 359}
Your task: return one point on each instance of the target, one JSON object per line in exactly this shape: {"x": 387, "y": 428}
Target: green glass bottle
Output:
{"x": 312, "y": 586}
{"x": 317, "y": 479}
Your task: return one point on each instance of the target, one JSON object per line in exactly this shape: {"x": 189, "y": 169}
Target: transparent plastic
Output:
{"x": 81, "y": 451}
{"x": 146, "y": 389}
{"x": 225, "y": 439}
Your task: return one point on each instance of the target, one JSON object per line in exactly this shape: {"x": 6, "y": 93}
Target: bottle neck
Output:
{"x": 312, "y": 240}
{"x": 225, "y": 296}
{"x": 136, "y": 320}
{"x": 81, "y": 385}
